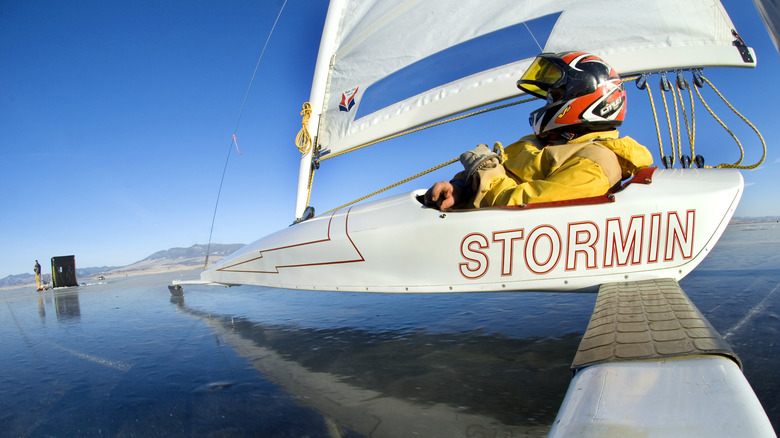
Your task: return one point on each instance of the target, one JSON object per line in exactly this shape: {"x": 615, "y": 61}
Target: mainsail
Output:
{"x": 386, "y": 66}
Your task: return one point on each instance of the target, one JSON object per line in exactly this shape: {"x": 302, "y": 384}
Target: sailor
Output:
{"x": 575, "y": 152}
{"x": 37, "y": 270}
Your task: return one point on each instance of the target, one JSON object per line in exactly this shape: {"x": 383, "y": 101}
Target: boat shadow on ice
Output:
{"x": 401, "y": 383}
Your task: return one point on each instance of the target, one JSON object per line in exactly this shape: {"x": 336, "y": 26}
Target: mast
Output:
{"x": 317, "y": 97}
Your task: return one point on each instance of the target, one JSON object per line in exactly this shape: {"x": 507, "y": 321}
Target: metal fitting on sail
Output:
{"x": 308, "y": 213}
{"x": 317, "y": 155}
{"x": 739, "y": 43}
{"x": 665, "y": 84}
{"x": 682, "y": 84}
{"x": 641, "y": 83}
{"x": 698, "y": 80}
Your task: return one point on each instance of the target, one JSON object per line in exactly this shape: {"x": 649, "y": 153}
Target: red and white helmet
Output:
{"x": 583, "y": 94}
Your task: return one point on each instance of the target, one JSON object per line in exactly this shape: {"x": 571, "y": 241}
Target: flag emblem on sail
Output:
{"x": 348, "y": 100}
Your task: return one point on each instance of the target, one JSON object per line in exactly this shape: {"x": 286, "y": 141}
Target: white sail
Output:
{"x": 386, "y": 65}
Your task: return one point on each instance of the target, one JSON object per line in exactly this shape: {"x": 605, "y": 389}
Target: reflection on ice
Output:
{"x": 67, "y": 304}
{"x": 409, "y": 384}
{"x": 214, "y": 386}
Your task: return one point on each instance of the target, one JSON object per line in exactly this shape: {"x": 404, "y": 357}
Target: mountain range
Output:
{"x": 174, "y": 259}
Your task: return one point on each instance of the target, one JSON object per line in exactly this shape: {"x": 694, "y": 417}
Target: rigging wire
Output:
{"x": 396, "y": 184}
{"x": 664, "y": 88}
{"x": 690, "y": 129}
{"x": 744, "y": 119}
{"x": 235, "y": 129}
{"x": 699, "y": 81}
{"x": 532, "y": 36}
{"x": 723, "y": 125}
{"x": 655, "y": 119}
{"x": 423, "y": 127}
{"x": 677, "y": 122}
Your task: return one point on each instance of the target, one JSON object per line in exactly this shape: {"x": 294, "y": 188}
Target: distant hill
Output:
{"x": 174, "y": 259}
{"x": 193, "y": 252}
{"x": 177, "y": 259}
{"x": 754, "y": 220}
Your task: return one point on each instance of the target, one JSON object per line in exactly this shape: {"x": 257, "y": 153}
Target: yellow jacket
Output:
{"x": 587, "y": 166}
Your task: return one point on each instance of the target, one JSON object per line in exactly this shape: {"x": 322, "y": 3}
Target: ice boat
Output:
{"x": 374, "y": 78}
{"x": 386, "y": 67}
{"x": 660, "y": 225}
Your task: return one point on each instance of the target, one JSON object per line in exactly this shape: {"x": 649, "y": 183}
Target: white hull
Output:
{"x": 650, "y": 364}
{"x": 644, "y": 398}
{"x": 658, "y": 230}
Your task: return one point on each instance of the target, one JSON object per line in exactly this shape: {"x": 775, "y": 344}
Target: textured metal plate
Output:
{"x": 647, "y": 320}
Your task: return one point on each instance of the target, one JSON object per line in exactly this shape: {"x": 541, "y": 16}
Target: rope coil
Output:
{"x": 303, "y": 139}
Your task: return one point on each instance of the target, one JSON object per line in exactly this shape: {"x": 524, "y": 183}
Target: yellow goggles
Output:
{"x": 539, "y": 77}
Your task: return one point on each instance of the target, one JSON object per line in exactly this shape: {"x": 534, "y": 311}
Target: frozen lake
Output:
{"x": 124, "y": 358}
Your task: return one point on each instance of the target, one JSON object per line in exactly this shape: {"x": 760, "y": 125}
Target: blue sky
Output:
{"x": 116, "y": 119}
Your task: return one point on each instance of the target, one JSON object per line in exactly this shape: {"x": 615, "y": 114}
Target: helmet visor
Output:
{"x": 540, "y": 76}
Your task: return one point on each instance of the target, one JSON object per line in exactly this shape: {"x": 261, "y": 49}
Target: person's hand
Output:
{"x": 443, "y": 195}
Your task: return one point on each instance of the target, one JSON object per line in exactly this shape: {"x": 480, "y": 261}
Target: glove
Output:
{"x": 479, "y": 158}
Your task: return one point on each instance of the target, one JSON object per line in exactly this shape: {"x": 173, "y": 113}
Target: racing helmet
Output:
{"x": 583, "y": 94}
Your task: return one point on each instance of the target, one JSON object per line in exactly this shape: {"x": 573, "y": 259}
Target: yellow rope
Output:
{"x": 303, "y": 139}
{"x": 431, "y": 125}
{"x": 308, "y": 188}
{"x": 655, "y": 119}
{"x": 454, "y": 160}
{"x": 677, "y": 122}
{"x": 669, "y": 124}
{"x": 692, "y": 130}
{"x": 685, "y": 119}
{"x": 498, "y": 149}
{"x": 304, "y": 143}
{"x": 744, "y": 119}
{"x": 712, "y": 113}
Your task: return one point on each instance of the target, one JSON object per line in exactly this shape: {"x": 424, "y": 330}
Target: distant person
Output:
{"x": 37, "y": 270}
{"x": 575, "y": 152}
